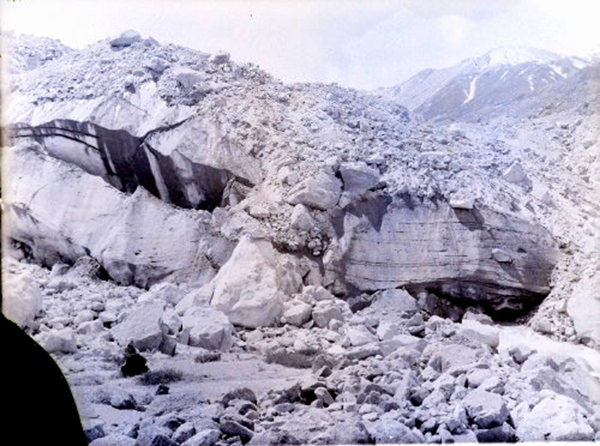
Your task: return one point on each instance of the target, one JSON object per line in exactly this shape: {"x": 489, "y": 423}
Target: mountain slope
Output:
{"x": 478, "y": 88}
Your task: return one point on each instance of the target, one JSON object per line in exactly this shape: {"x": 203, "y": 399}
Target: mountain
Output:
{"x": 482, "y": 87}
{"x": 302, "y": 263}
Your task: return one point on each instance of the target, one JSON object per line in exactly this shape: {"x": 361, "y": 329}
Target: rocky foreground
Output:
{"x": 217, "y": 258}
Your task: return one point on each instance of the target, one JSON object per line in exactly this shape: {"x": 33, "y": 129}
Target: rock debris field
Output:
{"x": 214, "y": 257}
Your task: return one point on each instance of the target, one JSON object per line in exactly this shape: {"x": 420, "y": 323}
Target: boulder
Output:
{"x": 165, "y": 292}
{"x": 395, "y": 301}
{"x": 499, "y": 434}
{"x": 206, "y": 327}
{"x": 254, "y": 283}
{"x": 359, "y": 335}
{"x": 206, "y": 437}
{"x": 114, "y": 440}
{"x": 326, "y": 310}
{"x": 486, "y": 409}
{"x": 515, "y": 174}
{"x": 583, "y": 307}
{"x": 315, "y": 293}
{"x": 142, "y": 326}
{"x": 448, "y": 357}
{"x": 301, "y": 218}
{"x": 461, "y": 203}
{"x": 126, "y": 39}
{"x": 59, "y": 341}
{"x": 390, "y": 431}
{"x": 555, "y": 418}
{"x": 21, "y": 295}
{"x": 520, "y": 353}
{"x": 321, "y": 191}
{"x": 485, "y": 334}
{"x": 297, "y": 313}
{"x": 358, "y": 177}
{"x": 187, "y": 77}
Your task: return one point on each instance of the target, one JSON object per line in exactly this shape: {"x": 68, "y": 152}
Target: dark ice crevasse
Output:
{"x": 126, "y": 161}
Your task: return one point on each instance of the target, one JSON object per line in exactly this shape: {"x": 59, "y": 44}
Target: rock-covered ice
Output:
{"x": 303, "y": 263}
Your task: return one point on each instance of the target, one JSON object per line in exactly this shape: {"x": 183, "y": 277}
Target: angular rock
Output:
{"x": 359, "y": 335}
{"x": 60, "y": 341}
{"x": 163, "y": 440}
{"x": 394, "y": 300}
{"x": 321, "y": 191}
{"x": 486, "y": 334}
{"x": 241, "y": 393}
{"x": 364, "y": 351}
{"x": 206, "y": 437}
{"x": 501, "y": 256}
{"x": 452, "y": 356}
{"x": 21, "y": 295}
{"x": 555, "y": 418}
{"x": 297, "y": 313}
{"x": 289, "y": 358}
{"x": 142, "y": 326}
{"x": 313, "y": 293}
{"x": 461, "y": 203}
{"x": 254, "y": 283}
{"x": 115, "y": 397}
{"x": 520, "y": 353}
{"x": 126, "y": 39}
{"x": 457, "y": 422}
{"x": 499, "y": 434}
{"x": 515, "y": 174}
{"x": 232, "y": 428}
{"x": 184, "y": 432}
{"x": 390, "y": 431}
{"x": 486, "y": 409}
{"x": 206, "y": 327}
{"x": 324, "y": 311}
{"x": 358, "y": 177}
{"x": 301, "y": 218}
{"x": 324, "y": 396}
{"x": 583, "y": 307}
{"x": 114, "y": 440}
{"x": 187, "y": 78}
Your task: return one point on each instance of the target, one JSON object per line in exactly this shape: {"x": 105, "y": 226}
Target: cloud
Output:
{"x": 359, "y": 43}
{"x": 470, "y": 9}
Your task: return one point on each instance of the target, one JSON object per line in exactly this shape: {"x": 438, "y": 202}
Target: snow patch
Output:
{"x": 472, "y": 87}
{"x": 558, "y": 70}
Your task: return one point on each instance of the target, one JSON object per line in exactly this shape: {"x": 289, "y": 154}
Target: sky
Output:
{"x": 360, "y": 44}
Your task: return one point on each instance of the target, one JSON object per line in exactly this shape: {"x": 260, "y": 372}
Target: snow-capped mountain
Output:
{"x": 480, "y": 87}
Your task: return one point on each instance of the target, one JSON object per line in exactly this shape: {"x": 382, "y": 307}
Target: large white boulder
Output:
{"x": 254, "y": 283}
{"x": 143, "y": 326}
{"x": 206, "y": 327}
{"x": 321, "y": 191}
{"x": 59, "y": 341}
{"x": 21, "y": 294}
{"x": 584, "y": 308}
{"x": 555, "y": 418}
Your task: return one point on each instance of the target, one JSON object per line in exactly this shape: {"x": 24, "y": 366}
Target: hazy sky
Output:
{"x": 361, "y": 44}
